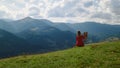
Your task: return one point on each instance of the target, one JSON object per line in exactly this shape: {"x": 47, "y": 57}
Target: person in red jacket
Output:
{"x": 80, "y": 39}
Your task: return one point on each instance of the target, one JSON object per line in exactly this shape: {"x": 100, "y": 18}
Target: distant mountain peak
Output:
{"x": 28, "y": 18}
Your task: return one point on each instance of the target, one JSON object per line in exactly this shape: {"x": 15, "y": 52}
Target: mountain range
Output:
{"x": 30, "y": 35}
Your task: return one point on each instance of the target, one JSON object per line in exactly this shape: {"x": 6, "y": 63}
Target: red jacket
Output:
{"x": 80, "y": 40}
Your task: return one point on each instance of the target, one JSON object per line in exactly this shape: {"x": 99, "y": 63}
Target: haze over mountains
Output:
{"x": 40, "y": 35}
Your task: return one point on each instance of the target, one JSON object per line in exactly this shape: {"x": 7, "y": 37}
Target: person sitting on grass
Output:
{"x": 80, "y": 39}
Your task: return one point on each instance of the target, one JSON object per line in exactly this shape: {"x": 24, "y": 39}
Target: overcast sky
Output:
{"x": 107, "y": 11}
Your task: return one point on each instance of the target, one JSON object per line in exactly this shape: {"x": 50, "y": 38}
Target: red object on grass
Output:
{"x": 80, "y": 41}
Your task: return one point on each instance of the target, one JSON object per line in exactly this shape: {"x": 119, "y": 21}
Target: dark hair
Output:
{"x": 79, "y": 33}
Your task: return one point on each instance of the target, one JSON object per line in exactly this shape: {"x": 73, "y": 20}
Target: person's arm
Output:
{"x": 85, "y": 35}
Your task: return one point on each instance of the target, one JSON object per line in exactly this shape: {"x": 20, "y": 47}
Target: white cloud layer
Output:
{"x": 63, "y": 10}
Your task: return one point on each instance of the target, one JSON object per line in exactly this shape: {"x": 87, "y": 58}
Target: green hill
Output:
{"x": 98, "y": 55}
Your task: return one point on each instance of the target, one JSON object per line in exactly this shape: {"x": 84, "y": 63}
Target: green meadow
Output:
{"x": 97, "y": 55}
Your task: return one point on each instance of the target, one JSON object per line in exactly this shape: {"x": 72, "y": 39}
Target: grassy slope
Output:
{"x": 99, "y": 55}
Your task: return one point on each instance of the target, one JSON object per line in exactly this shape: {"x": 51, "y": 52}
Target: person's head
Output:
{"x": 78, "y": 33}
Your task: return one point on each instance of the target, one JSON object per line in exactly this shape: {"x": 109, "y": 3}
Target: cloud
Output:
{"x": 13, "y": 4}
{"x": 88, "y": 4}
{"x": 66, "y": 9}
{"x": 27, "y": 0}
{"x": 63, "y": 10}
{"x": 57, "y": 12}
{"x": 115, "y": 6}
{"x": 2, "y": 14}
{"x": 103, "y": 10}
{"x": 102, "y": 15}
{"x": 33, "y": 11}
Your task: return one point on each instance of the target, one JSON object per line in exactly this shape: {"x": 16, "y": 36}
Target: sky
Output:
{"x": 104, "y": 11}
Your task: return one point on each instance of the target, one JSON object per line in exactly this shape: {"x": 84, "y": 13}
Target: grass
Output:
{"x": 99, "y": 55}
